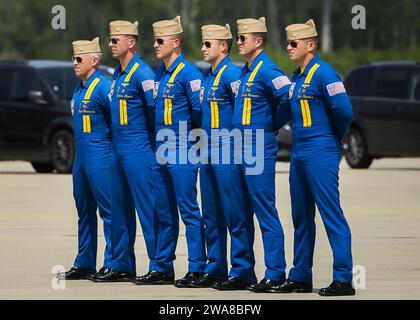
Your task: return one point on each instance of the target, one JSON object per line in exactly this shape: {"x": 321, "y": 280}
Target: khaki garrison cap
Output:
{"x": 123, "y": 27}
{"x": 167, "y": 27}
{"x": 86, "y": 46}
{"x": 301, "y": 31}
{"x": 216, "y": 32}
{"x": 251, "y": 25}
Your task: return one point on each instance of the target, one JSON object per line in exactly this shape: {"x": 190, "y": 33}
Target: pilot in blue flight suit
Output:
{"x": 132, "y": 141}
{"x": 321, "y": 112}
{"x": 225, "y": 204}
{"x": 177, "y": 110}
{"x": 92, "y": 166}
{"x": 263, "y": 88}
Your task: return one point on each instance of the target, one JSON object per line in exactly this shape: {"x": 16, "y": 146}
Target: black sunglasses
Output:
{"x": 78, "y": 59}
{"x": 240, "y": 38}
{"x": 160, "y": 41}
{"x": 113, "y": 40}
{"x": 207, "y": 44}
{"x": 293, "y": 44}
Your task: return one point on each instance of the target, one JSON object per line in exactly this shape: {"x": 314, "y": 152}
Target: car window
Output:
{"x": 416, "y": 86}
{"x": 71, "y": 82}
{"x": 55, "y": 79}
{"x": 107, "y": 71}
{"x": 359, "y": 82}
{"x": 393, "y": 82}
{"x": 26, "y": 80}
{"x": 6, "y": 76}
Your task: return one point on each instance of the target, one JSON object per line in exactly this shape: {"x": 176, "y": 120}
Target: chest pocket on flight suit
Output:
{"x": 123, "y": 103}
{"x": 304, "y": 104}
{"x": 214, "y": 107}
{"x": 168, "y": 102}
{"x": 86, "y": 118}
{"x": 246, "y": 113}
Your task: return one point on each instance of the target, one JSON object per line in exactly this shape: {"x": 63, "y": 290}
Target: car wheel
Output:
{"x": 356, "y": 150}
{"x": 62, "y": 151}
{"x": 42, "y": 167}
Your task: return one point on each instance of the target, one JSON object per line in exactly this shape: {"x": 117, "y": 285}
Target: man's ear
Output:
{"x": 224, "y": 47}
{"x": 131, "y": 43}
{"x": 176, "y": 43}
{"x": 311, "y": 46}
{"x": 259, "y": 41}
{"x": 95, "y": 61}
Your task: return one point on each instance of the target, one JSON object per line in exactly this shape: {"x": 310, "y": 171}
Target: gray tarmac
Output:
{"x": 38, "y": 234}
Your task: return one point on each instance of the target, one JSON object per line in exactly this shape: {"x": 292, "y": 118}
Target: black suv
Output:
{"x": 386, "y": 104}
{"x": 35, "y": 118}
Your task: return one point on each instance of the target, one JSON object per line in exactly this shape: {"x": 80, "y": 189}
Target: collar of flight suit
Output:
{"x": 261, "y": 56}
{"x": 175, "y": 64}
{"x": 223, "y": 62}
{"x": 128, "y": 67}
{"x": 311, "y": 63}
{"x": 90, "y": 79}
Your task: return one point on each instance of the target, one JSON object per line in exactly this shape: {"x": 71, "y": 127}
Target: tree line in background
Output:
{"x": 392, "y": 28}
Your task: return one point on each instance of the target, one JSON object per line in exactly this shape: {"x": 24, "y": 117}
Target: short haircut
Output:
{"x": 180, "y": 37}
{"x": 229, "y": 43}
{"x": 315, "y": 40}
{"x": 262, "y": 35}
{"x": 131, "y": 36}
{"x": 96, "y": 55}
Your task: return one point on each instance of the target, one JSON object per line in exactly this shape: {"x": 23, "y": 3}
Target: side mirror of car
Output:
{"x": 37, "y": 97}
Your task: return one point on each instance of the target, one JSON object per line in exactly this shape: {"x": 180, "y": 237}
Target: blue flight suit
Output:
{"x": 321, "y": 113}
{"x": 132, "y": 176}
{"x": 225, "y": 203}
{"x": 92, "y": 167}
{"x": 262, "y": 88}
{"x": 177, "y": 99}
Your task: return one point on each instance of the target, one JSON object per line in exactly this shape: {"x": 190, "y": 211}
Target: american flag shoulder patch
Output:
{"x": 335, "y": 88}
{"x": 148, "y": 85}
{"x": 195, "y": 85}
{"x": 280, "y": 82}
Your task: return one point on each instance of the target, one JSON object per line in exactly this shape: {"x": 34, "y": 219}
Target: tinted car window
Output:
{"x": 55, "y": 79}
{"x": 71, "y": 82}
{"x": 107, "y": 71}
{"x": 25, "y": 81}
{"x": 359, "y": 82}
{"x": 416, "y": 86}
{"x": 6, "y": 76}
{"x": 393, "y": 82}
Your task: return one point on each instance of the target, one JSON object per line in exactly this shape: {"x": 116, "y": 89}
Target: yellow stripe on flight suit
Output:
{"x": 311, "y": 73}
{"x": 246, "y": 113}
{"x": 168, "y": 112}
{"x": 304, "y": 115}
{"x": 177, "y": 70}
{"x": 168, "y": 102}
{"x": 304, "y": 104}
{"x": 213, "y": 104}
{"x": 123, "y": 103}
{"x": 133, "y": 69}
{"x": 86, "y": 124}
{"x": 91, "y": 88}
{"x": 123, "y": 113}
{"x": 86, "y": 118}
